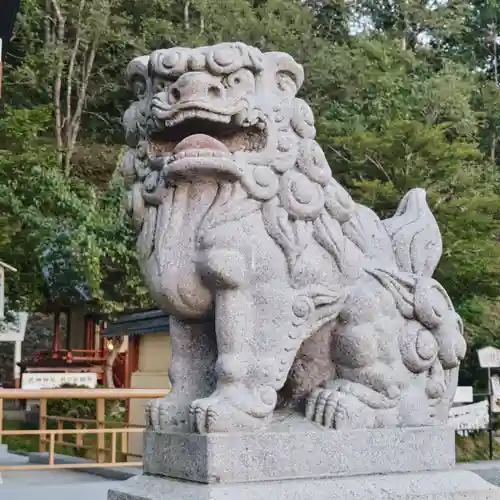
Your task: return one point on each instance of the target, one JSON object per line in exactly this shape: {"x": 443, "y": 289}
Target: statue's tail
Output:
{"x": 415, "y": 235}
{"x": 433, "y": 340}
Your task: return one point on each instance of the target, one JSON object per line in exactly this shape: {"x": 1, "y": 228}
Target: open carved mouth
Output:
{"x": 204, "y": 142}
{"x": 234, "y": 137}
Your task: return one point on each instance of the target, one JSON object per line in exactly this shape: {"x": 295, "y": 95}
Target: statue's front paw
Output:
{"x": 337, "y": 409}
{"x": 232, "y": 409}
{"x": 164, "y": 413}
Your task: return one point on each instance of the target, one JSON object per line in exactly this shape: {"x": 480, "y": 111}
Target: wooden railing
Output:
{"x": 69, "y": 355}
{"x": 119, "y": 436}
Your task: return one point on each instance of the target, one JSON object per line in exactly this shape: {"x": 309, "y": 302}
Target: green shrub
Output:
{"x": 84, "y": 408}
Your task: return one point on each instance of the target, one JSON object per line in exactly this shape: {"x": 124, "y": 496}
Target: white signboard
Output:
{"x": 495, "y": 396}
{"x": 469, "y": 417}
{"x": 3, "y": 267}
{"x": 495, "y": 404}
{"x": 14, "y": 331}
{"x": 55, "y": 380}
{"x": 489, "y": 357}
{"x": 463, "y": 395}
{"x": 495, "y": 385}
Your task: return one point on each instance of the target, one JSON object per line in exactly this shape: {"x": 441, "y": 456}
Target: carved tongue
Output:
{"x": 200, "y": 141}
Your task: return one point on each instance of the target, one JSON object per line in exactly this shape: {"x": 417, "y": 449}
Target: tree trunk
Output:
{"x": 110, "y": 361}
{"x": 56, "y": 95}
{"x": 186, "y": 14}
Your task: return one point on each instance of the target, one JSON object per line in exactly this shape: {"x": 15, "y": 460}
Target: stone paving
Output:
{"x": 53, "y": 485}
{"x": 49, "y": 484}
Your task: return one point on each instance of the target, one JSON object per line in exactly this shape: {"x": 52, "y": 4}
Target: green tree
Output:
{"x": 405, "y": 94}
{"x": 61, "y": 136}
{"x": 62, "y": 227}
{"x": 425, "y": 116}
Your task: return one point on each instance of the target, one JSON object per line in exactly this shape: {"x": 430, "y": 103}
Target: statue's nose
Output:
{"x": 195, "y": 86}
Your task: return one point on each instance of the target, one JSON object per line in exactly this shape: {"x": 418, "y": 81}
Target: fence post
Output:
{"x": 43, "y": 424}
{"x": 101, "y": 437}
{"x": 79, "y": 437}
{"x": 52, "y": 448}
{"x": 124, "y": 445}
{"x": 1, "y": 418}
{"x": 113, "y": 447}
{"x": 60, "y": 438}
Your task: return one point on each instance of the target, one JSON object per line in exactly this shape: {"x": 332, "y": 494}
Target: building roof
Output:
{"x": 6, "y": 266}
{"x": 137, "y": 323}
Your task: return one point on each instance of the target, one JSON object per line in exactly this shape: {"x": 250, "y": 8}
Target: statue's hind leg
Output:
{"x": 312, "y": 368}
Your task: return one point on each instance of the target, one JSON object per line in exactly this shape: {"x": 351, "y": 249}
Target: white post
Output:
{"x": 17, "y": 359}
{"x": 2, "y": 291}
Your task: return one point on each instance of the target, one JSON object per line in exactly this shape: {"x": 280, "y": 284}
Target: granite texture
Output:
{"x": 283, "y": 287}
{"x": 447, "y": 485}
{"x": 310, "y": 453}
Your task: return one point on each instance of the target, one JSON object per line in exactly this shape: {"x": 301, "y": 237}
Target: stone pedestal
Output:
{"x": 447, "y": 485}
{"x": 297, "y": 460}
{"x": 313, "y": 454}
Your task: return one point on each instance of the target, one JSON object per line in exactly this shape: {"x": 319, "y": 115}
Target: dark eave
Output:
{"x": 137, "y": 323}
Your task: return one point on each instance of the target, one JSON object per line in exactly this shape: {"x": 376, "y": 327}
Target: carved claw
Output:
{"x": 222, "y": 416}
{"x": 152, "y": 413}
{"x": 337, "y": 409}
{"x": 165, "y": 413}
{"x": 219, "y": 413}
{"x": 198, "y": 414}
{"x": 322, "y": 407}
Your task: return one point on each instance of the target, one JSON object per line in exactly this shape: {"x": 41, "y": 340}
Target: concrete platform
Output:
{"x": 71, "y": 488}
{"x": 445, "y": 485}
{"x": 116, "y": 473}
{"x": 298, "y": 460}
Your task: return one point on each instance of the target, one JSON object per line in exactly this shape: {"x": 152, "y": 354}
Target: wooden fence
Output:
{"x": 119, "y": 435}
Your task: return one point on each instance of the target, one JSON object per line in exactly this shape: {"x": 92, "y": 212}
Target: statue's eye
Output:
{"x": 285, "y": 82}
{"x": 160, "y": 85}
{"x": 139, "y": 87}
{"x": 243, "y": 78}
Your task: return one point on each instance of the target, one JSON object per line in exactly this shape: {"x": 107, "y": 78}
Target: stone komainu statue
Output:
{"x": 282, "y": 289}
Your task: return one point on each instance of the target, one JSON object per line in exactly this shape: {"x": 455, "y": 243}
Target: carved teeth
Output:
{"x": 197, "y": 113}
{"x": 198, "y": 153}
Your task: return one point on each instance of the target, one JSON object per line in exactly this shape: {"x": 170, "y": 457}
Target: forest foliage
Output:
{"x": 405, "y": 94}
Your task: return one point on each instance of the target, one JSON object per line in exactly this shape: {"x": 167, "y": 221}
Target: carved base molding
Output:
{"x": 442, "y": 485}
{"x": 308, "y": 453}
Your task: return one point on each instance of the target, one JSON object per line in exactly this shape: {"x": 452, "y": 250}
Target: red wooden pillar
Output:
{"x": 56, "y": 333}
{"x": 88, "y": 334}
{"x": 126, "y": 367}
{"x": 131, "y": 365}
{"x": 103, "y": 342}
{"x": 68, "y": 329}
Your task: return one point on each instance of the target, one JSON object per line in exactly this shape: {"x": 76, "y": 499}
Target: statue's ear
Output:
{"x": 289, "y": 75}
{"x": 136, "y": 75}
